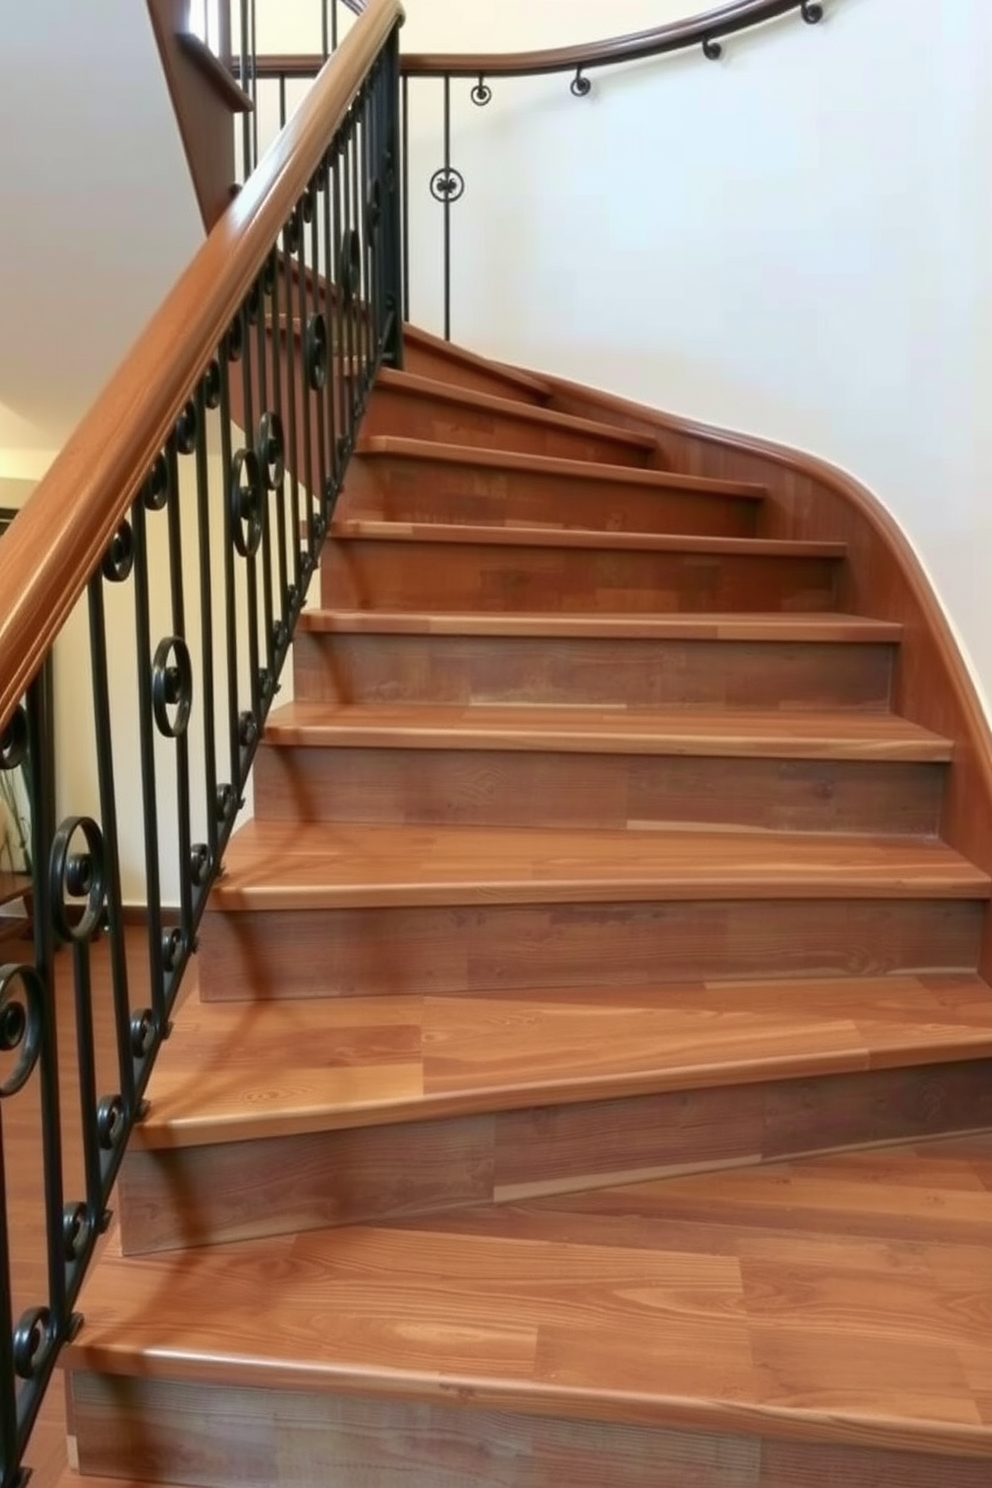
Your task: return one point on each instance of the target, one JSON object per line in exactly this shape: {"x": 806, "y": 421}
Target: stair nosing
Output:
{"x": 416, "y": 385}
{"x": 580, "y": 539}
{"x": 279, "y": 1036}
{"x": 274, "y": 866}
{"x": 398, "y": 446}
{"x": 643, "y": 735}
{"x": 805, "y": 626}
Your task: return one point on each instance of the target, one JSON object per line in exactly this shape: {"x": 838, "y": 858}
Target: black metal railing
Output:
{"x": 180, "y": 638}
{"x": 430, "y": 95}
{"x": 328, "y": 21}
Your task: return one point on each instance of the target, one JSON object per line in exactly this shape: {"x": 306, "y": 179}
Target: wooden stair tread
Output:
{"x": 396, "y": 445}
{"x": 826, "y": 627}
{"x": 823, "y": 1333}
{"x": 367, "y": 530}
{"x": 778, "y": 734}
{"x": 415, "y": 385}
{"x": 319, "y": 1064}
{"x": 306, "y": 865}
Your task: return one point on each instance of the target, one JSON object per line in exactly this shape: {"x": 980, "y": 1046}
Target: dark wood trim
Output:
{"x": 675, "y": 36}
{"x": 808, "y": 499}
{"x": 58, "y": 539}
{"x": 204, "y": 96}
{"x": 215, "y": 73}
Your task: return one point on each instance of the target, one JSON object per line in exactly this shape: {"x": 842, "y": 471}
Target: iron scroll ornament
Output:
{"x": 447, "y": 184}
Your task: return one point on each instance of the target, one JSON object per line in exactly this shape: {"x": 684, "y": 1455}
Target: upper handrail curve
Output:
{"x": 700, "y": 30}
{"x": 703, "y": 30}
{"x": 56, "y": 542}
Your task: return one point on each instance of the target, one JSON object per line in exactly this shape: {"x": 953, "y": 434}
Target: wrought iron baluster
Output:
{"x": 154, "y": 497}
{"x": 116, "y": 569}
{"x": 208, "y": 398}
{"x": 290, "y": 242}
{"x": 332, "y": 391}
{"x": 172, "y": 678}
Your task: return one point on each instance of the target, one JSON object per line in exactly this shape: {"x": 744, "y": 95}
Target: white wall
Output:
{"x": 796, "y": 241}
{"x": 97, "y": 208}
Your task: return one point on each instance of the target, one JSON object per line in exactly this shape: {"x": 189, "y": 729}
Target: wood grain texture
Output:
{"x": 416, "y": 569}
{"x": 452, "y": 949}
{"x": 558, "y": 661}
{"x": 416, "y": 481}
{"x": 482, "y": 1164}
{"x": 861, "y": 1331}
{"x": 58, "y": 540}
{"x": 413, "y": 406}
{"x": 327, "y": 866}
{"x": 275, "y": 1069}
{"x": 597, "y": 790}
{"x": 810, "y": 499}
{"x": 734, "y": 735}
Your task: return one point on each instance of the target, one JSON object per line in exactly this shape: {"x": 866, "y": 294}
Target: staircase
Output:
{"x": 588, "y": 1078}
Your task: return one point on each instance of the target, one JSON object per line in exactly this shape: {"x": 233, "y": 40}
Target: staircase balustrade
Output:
{"x": 166, "y": 560}
{"x": 190, "y": 509}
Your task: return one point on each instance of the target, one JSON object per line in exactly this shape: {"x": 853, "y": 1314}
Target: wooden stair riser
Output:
{"x": 502, "y": 578}
{"x": 550, "y": 671}
{"x": 285, "y": 1184}
{"x": 418, "y": 415}
{"x": 228, "y": 1437}
{"x": 549, "y": 789}
{"x": 485, "y": 947}
{"x": 403, "y": 490}
{"x": 470, "y": 373}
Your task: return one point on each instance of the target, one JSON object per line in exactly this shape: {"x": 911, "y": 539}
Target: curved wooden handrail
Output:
{"x": 674, "y": 36}
{"x": 56, "y": 542}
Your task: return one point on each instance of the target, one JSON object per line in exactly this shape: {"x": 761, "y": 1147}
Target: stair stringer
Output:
{"x": 808, "y": 499}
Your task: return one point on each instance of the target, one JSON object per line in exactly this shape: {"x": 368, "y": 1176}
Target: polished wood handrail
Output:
{"x": 58, "y": 539}
{"x": 674, "y": 36}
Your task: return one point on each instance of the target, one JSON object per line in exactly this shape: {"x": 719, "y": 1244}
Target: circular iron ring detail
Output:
{"x": 187, "y": 429}
{"x": 315, "y": 352}
{"x": 156, "y": 488}
{"x": 83, "y": 875}
{"x": 34, "y": 1339}
{"x": 712, "y": 50}
{"x": 351, "y": 266}
{"x": 580, "y": 86}
{"x": 373, "y": 208}
{"x": 447, "y": 184}
{"x": 212, "y": 385}
{"x": 118, "y": 560}
{"x": 172, "y": 686}
{"x": 21, "y": 1017}
{"x": 14, "y": 740}
{"x": 812, "y": 12}
{"x": 76, "y": 1229}
{"x": 482, "y": 93}
{"x": 270, "y": 450}
{"x": 246, "y": 503}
